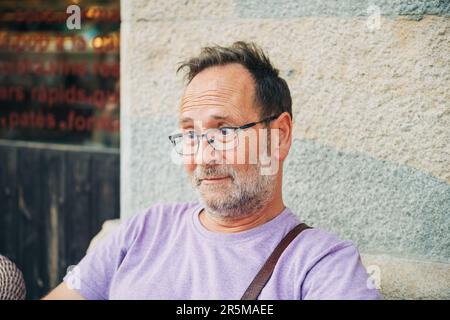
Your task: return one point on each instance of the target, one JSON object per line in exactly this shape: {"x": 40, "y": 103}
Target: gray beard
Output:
{"x": 248, "y": 196}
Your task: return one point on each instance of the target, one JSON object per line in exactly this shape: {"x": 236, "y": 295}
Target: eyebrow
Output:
{"x": 216, "y": 117}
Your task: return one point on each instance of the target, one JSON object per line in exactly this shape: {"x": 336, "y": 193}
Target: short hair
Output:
{"x": 271, "y": 91}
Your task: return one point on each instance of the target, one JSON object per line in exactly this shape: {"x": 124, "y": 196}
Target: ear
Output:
{"x": 284, "y": 125}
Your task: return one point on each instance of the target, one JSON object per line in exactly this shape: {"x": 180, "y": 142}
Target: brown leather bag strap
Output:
{"x": 258, "y": 283}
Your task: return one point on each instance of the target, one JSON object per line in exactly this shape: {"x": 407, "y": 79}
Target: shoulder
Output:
{"x": 142, "y": 226}
{"x": 315, "y": 244}
{"x": 163, "y": 211}
{"x": 158, "y": 215}
{"x": 333, "y": 269}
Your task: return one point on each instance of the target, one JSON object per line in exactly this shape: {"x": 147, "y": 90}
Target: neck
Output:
{"x": 216, "y": 224}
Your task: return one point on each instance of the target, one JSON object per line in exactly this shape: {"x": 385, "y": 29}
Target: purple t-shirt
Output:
{"x": 166, "y": 253}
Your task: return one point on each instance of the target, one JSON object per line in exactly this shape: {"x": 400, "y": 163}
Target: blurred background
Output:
{"x": 370, "y": 160}
{"x": 59, "y": 133}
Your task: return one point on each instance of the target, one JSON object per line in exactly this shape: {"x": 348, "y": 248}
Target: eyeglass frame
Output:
{"x": 200, "y": 136}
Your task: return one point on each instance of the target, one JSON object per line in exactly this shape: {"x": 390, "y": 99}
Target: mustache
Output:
{"x": 202, "y": 172}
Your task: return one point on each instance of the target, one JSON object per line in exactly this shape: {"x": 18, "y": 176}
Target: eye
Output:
{"x": 190, "y": 134}
{"x": 226, "y": 131}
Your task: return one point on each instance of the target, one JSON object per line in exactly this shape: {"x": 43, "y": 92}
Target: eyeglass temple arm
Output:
{"x": 251, "y": 124}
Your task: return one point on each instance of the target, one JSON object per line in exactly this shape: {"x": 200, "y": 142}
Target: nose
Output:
{"x": 206, "y": 153}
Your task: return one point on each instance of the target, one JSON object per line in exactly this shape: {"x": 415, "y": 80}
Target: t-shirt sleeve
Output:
{"x": 339, "y": 275}
{"x": 91, "y": 277}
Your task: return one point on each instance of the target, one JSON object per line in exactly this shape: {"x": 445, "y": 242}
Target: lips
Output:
{"x": 214, "y": 180}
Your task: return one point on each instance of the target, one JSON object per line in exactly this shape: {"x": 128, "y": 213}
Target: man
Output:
{"x": 235, "y": 132}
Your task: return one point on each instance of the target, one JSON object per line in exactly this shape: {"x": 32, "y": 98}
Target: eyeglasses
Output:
{"x": 221, "y": 139}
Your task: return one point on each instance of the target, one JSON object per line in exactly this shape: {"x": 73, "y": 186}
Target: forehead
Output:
{"x": 220, "y": 90}
{"x": 233, "y": 74}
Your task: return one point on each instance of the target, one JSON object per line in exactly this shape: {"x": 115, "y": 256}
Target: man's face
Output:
{"x": 223, "y": 96}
